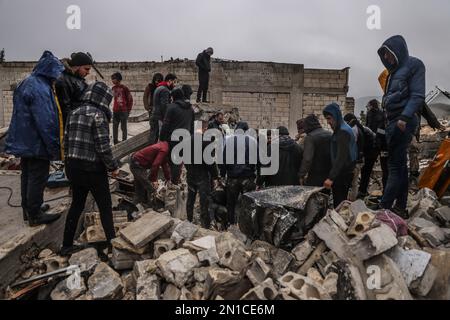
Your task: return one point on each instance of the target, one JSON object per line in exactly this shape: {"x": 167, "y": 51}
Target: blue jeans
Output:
{"x": 397, "y": 184}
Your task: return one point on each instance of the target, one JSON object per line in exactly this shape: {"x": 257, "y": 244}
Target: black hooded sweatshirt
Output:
{"x": 179, "y": 115}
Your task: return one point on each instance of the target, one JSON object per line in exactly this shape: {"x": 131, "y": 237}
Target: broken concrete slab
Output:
{"x": 143, "y": 268}
{"x": 185, "y": 294}
{"x": 443, "y": 215}
{"x": 121, "y": 244}
{"x": 65, "y": 291}
{"x": 105, "y": 283}
{"x": 264, "y": 291}
{"x": 303, "y": 288}
{"x": 148, "y": 288}
{"x": 421, "y": 223}
{"x": 177, "y": 266}
{"x": 302, "y": 251}
{"x": 161, "y": 246}
{"x": 171, "y": 292}
{"x": 210, "y": 255}
{"x": 334, "y": 238}
{"x": 282, "y": 261}
{"x": 236, "y": 259}
{"x": 440, "y": 259}
{"x": 330, "y": 284}
{"x": 53, "y": 263}
{"x": 87, "y": 259}
{"x": 434, "y": 235}
{"x": 201, "y": 244}
{"x": 123, "y": 260}
{"x": 361, "y": 224}
{"x": 258, "y": 272}
{"x": 185, "y": 231}
{"x": 145, "y": 229}
{"x": 338, "y": 220}
{"x": 45, "y": 253}
{"x": 422, "y": 286}
{"x": 387, "y": 282}
{"x": 411, "y": 263}
{"x": 230, "y": 285}
{"x": 374, "y": 242}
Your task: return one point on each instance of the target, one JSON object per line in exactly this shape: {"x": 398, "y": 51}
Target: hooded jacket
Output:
{"x": 316, "y": 163}
{"x": 343, "y": 144}
{"x": 69, "y": 89}
{"x": 35, "y": 126}
{"x": 87, "y": 130}
{"x": 161, "y": 98}
{"x": 405, "y": 86}
{"x": 290, "y": 158}
{"x": 179, "y": 115}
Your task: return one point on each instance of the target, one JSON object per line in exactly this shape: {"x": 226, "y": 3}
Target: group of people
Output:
{"x": 58, "y": 116}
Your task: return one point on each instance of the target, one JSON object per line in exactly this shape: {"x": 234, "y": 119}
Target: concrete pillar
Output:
{"x": 296, "y": 98}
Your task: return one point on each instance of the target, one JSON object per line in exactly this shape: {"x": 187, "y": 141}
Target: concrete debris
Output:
{"x": 236, "y": 259}
{"x": 303, "y": 288}
{"x": 171, "y": 292}
{"x": 148, "y": 288}
{"x": 264, "y": 291}
{"x": 87, "y": 259}
{"x": 185, "y": 231}
{"x": 374, "y": 242}
{"x": 177, "y": 266}
{"x": 161, "y": 246}
{"x": 105, "y": 283}
{"x": 258, "y": 272}
{"x": 64, "y": 290}
{"x": 361, "y": 224}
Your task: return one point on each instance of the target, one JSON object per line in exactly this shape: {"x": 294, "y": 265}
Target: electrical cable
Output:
{"x": 11, "y": 192}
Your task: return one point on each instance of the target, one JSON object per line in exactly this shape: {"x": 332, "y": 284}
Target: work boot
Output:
{"x": 45, "y": 207}
{"x": 67, "y": 251}
{"x": 43, "y": 218}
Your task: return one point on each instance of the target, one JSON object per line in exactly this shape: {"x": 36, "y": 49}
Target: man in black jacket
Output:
{"x": 71, "y": 85}
{"x": 240, "y": 176}
{"x": 316, "y": 163}
{"x": 343, "y": 154}
{"x": 376, "y": 122}
{"x": 203, "y": 63}
{"x": 290, "y": 158}
{"x": 199, "y": 177}
{"x": 179, "y": 115}
{"x": 161, "y": 98}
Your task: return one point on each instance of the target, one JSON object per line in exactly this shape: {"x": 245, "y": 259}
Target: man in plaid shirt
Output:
{"x": 88, "y": 160}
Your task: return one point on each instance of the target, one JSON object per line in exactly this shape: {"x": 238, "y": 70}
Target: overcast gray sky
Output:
{"x": 319, "y": 34}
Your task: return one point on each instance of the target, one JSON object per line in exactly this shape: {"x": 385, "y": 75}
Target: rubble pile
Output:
{"x": 349, "y": 253}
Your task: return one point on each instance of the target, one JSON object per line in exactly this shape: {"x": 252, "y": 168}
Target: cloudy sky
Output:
{"x": 319, "y": 34}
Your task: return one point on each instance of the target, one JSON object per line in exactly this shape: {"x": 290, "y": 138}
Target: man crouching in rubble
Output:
{"x": 88, "y": 160}
{"x": 404, "y": 95}
{"x": 35, "y": 135}
{"x": 343, "y": 154}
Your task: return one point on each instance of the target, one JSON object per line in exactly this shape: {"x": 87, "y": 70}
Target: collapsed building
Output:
{"x": 289, "y": 244}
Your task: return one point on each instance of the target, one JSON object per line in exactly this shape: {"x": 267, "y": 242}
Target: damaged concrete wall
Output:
{"x": 267, "y": 94}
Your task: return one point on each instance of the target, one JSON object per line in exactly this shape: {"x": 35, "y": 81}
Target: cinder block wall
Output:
{"x": 267, "y": 94}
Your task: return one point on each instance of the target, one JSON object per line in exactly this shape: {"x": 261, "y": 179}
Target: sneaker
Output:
{"x": 43, "y": 218}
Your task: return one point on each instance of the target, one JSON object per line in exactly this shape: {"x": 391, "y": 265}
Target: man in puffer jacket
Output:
{"x": 343, "y": 154}
{"x": 404, "y": 95}
{"x": 88, "y": 160}
{"x": 35, "y": 134}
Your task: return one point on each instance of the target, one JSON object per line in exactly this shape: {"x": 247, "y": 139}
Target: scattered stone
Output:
{"x": 65, "y": 291}
{"x": 374, "y": 242}
{"x": 420, "y": 223}
{"x": 54, "y": 263}
{"x": 330, "y": 284}
{"x": 45, "y": 253}
{"x": 87, "y": 259}
{"x": 258, "y": 272}
{"x": 161, "y": 246}
{"x": 148, "y": 288}
{"x": 145, "y": 229}
{"x": 333, "y": 237}
{"x": 222, "y": 282}
{"x": 105, "y": 283}
{"x": 143, "y": 268}
{"x": 123, "y": 260}
{"x": 303, "y": 288}
{"x": 434, "y": 235}
{"x": 302, "y": 251}
{"x": 264, "y": 291}
{"x": 424, "y": 284}
{"x": 209, "y": 255}
{"x": 314, "y": 275}
{"x": 236, "y": 259}
{"x": 338, "y": 220}
{"x": 185, "y": 231}
{"x": 443, "y": 215}
{"x": 185, "y": 294}
{"x": 177, "y": 266}
{"x": 171, "y": 292}
{"x": 121, "y": 244}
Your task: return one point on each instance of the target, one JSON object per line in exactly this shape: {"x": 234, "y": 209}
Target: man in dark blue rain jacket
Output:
{"x": 404, "y": 95}
{"x": 343, "y": 154}
{"x": 35, "y": 134}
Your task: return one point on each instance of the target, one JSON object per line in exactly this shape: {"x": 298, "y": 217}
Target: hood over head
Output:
{"x": 99, "y": 95}
{"x": 48, "y": 66}
{"x": 334, "y": 111}
{"x": 398, "y": 47}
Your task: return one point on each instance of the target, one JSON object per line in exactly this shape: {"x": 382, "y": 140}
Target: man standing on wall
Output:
{"x": 203, "y": 63}
{"x": 123, "y": 102}
{"x": 404, "y": 96}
